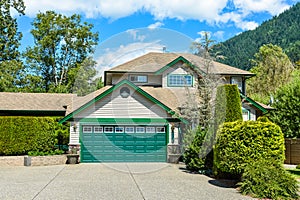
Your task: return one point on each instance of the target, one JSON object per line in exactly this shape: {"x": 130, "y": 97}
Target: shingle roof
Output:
{"x": 35, "y": 101}
{"x": 153, "y": 62}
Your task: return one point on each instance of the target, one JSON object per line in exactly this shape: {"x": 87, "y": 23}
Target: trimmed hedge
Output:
{"x": 240, "y": 143}
{"x": 228, "y": 104}
{"x": 20, "y": 135}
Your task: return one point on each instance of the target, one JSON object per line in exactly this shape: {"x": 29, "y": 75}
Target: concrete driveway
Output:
{"x": 110, "y": 181}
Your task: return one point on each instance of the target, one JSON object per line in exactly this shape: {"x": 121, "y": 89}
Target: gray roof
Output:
{"x": 35, "y": 101}
{"x": 153, "y": 62}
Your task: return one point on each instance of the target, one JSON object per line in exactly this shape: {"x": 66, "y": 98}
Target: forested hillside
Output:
{"x": 282, "y": 30}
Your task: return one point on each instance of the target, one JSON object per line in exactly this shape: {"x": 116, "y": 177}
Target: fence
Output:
{"x": 292, "y": 151}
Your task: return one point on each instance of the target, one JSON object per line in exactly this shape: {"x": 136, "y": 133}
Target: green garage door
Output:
{"x": 123, "y": 143}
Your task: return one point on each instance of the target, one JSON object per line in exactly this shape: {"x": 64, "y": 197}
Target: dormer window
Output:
{"x": 180, "y": 80}
{"x": 138, "y": 78}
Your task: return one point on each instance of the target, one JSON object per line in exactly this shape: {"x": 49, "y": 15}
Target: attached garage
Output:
{"x": 108, "y": 143}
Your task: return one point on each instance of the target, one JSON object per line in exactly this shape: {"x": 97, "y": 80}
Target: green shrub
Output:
{"x": 228, "y": 104}
{"x": 191, "y": 156}
{"x": 240, "y": 143}
{"x": 19, "y": 135}
{"x": 47, "y": 153}
{"x": 263, "y": 179}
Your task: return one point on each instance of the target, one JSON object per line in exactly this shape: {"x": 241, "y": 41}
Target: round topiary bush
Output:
{"x": 240, "y": 143}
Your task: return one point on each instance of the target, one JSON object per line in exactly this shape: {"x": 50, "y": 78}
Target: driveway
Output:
{"x": 110, "y": 181}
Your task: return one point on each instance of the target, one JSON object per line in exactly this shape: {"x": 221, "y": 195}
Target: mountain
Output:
{"x": 282, "y": 30}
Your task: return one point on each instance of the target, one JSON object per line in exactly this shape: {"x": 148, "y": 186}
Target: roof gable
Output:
{"x": 112, "y": 89}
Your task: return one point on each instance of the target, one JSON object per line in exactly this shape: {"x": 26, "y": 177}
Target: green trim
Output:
{"x": 109, "y": 91}
{"x": 180, "y": 58}
{"x": 168, "y": 82}
{"x": 254, "y": 103}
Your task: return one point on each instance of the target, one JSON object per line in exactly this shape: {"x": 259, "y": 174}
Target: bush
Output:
{"x": 191, "y": 156}
{"x": 240, "y": 143}
{"x": 228, "y": 104}
{"x": 263, "y": 179}
{"x": 20, "y": 135}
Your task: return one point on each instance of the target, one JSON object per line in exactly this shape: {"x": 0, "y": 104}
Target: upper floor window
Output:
{"x": 138, "y": 78}
{"x": 239, "y": 81}
{"x": 180, "y": 80}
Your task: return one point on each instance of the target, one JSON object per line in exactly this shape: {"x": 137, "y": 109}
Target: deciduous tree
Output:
{"x": 61, "y": 44}
{"x": 272, "y": 68}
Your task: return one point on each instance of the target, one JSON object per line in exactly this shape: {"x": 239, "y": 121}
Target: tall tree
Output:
{"x": 286, "y": 104}
{"x": 61, "y": 44}
{"x": 272, "y": 68}
{"x": 9, "y": 35}
{"x": 10, "y": 66}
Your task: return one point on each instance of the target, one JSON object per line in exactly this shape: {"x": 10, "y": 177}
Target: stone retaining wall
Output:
{"x": 33, "y": 160}
{"x": 11, "y": 161}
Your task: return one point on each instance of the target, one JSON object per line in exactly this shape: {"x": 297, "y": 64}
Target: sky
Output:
{"x": 131, "y": 28}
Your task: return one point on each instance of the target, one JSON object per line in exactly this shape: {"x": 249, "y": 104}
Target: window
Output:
{"x": 86, "y": 129}
{"x": 119, "y": 129}
{"x": 180, "y": 80}
{"x": 108, "y": 129}
{"x": 98, "y": 129}
{"x": 160, "y": 129}
{"x": 150, "y": 129}
{"x": 140, "y": 129}
{"x": 138, "y": 78}
{"x": 238, "y": 81}
{"x": 129, "y": 129}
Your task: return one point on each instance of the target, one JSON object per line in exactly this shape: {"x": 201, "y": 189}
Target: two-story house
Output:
{"x": 134, "y": 118}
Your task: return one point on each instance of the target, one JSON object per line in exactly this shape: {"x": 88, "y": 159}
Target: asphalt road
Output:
{"x": 111, "y": 181}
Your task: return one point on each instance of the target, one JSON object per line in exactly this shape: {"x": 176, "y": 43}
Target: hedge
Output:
{"x": 228, "y": 104}
{"x": 20, "y": 135}
{"x": 239, "y": 143}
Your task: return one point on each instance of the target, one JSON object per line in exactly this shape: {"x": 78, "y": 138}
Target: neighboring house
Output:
{"x": 34, "y": 104}
{"x": 135, "y": 116}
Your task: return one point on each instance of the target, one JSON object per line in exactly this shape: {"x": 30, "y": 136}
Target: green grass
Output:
{"x": 294, "y": 172}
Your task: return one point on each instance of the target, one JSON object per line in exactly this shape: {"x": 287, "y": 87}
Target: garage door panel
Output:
{"x": 123, "y": 147}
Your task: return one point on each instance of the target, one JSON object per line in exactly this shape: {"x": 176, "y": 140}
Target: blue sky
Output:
{"x": 130, "y": 28}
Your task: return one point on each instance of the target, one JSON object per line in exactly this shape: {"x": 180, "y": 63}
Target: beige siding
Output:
{"x": 252, "y": 111}
{"x": 74, "y": 136}
{"x": 114, "y": 106}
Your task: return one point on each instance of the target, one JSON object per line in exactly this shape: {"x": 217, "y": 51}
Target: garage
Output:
{"x": 123, "y": 143}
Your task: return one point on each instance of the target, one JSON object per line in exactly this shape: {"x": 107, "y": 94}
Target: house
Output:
{"x": 135, "y": 116}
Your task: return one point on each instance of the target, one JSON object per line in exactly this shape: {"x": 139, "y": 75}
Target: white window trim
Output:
{"x": 138, "y": 75}
{"x": 136, "y": 129}
{"x": 161, "y": 127}
{"x": 101, "y": 129}
{"x": 119, "y": 127}
{"x": 179, "y": 85}
{"x": 88, "y": 127}
{"x": 131, "y": 127}
{"x": 109, "y": 128}
{"x": 150, "y": 131}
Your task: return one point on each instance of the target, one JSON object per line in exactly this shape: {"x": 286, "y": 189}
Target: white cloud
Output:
{"x": 273, "y": 7}
{"x": 209, "y": 11}
{"x": 136, "y": 36}
{"x": 155, "y": 25}
{"x": 114, "y": 57}
{"x": 219, "y": 35}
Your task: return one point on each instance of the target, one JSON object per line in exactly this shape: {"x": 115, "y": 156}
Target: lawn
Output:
{"x": 295, "y": 173}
